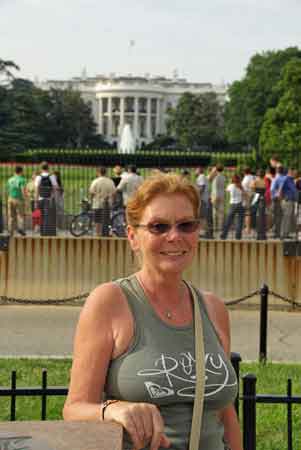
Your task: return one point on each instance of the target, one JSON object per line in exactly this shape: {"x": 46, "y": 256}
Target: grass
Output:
{"x": 271, "y": 379}
{"x": 271, "y": 419}
{"x": 76, "y": 181}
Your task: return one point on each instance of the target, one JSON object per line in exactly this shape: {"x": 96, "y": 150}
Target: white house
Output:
{"x": 141, "y": 102}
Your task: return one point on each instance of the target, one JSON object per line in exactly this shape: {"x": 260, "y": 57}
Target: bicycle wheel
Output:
{"x": 80, "y": 225}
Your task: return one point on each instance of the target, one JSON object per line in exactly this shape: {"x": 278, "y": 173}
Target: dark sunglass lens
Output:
{"x": 188, "y": 227}
{"x": 159, "y": 228}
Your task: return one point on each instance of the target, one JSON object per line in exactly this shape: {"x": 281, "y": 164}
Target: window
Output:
{"x": 105, "y": 105}
{"x": 153, "y": 106}
{"x": 129, "y": 104}
{"x": 115, "y": 104}
{"x": 142, "y": 105}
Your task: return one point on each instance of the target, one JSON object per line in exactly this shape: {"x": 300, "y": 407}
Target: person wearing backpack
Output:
{"x": 46, "y": 184}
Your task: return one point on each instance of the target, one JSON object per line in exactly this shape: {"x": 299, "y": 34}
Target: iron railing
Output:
{"x": 248, "y": 400}
{"x": 77, "y": 177}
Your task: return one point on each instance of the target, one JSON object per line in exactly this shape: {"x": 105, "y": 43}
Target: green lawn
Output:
{"x": 271, "y": 379}
{"x": 76, "y": 181}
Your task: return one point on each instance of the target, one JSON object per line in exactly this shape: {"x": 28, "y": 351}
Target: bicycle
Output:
{"x": 82, "y": 223}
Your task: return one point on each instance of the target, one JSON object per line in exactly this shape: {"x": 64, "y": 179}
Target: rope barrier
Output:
{"x": 7, "y": 300}
{"x": 12, "y": 300}
{"x": 242, "y": 299}
{"x": 286, "y": 299}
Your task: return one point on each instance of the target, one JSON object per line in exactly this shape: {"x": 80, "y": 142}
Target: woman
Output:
{"x": 258, "y": 206}
{"x": 135, "y": 336}
{"x": 236, "y": 209}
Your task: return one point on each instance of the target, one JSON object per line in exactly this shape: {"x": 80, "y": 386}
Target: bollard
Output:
{"x": 236, "y": 360}
{"x": 261, "y": 219}
{"x": 264, "y": 292}
{"x": 249, "y": 412}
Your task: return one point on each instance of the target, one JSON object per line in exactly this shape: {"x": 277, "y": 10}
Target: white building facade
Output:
{"x": 141, "y": 102}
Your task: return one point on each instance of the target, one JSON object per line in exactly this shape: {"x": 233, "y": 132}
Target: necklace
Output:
{"x": 167, "y": 312}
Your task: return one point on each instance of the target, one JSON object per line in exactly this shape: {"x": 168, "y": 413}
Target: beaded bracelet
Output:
{"x": 105, "y": 405}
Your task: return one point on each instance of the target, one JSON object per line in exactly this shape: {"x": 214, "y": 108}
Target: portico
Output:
{"x": 142, "y": 102}
{"x": 141, "y": 111}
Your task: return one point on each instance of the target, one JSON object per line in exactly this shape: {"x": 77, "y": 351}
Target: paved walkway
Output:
{"x": 48, "y": 331}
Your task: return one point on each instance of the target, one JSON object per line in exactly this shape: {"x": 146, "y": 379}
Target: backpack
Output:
{"x": 45, "y": 187}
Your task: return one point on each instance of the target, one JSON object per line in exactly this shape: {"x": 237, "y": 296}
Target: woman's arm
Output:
{"x": 220, "y": 318}
{"x": 232, "y": 428}
{"x": 93, "y": 347}
{"x": 103, "y": 333}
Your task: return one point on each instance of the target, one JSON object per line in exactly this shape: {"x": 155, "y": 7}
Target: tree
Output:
{"x": 197, "y": 120}
{"x": 21, "y": 125}
{"x": 250, "y": 98}
{"x": 31, "y": 118}
{"x": 281, "y": 129}
{"x": 69, "y": 120}
{"x": 6, "y": 74}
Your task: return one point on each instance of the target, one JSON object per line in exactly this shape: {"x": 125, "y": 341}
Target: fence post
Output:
{"x": 13, "y": 396}
{"x": 249, "y": 412}
{"x": 264, "y": 293}
{"x": 1, "y": 216}
{"x": 44, "y": 395}
{"x": 236, "y": 360}
{"x": 261, "y": 219}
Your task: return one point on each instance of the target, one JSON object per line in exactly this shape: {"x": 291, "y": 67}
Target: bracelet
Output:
{"x": 105, "y": 405}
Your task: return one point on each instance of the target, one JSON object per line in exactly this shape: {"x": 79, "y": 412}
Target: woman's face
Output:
{"x": 172, "y": 251}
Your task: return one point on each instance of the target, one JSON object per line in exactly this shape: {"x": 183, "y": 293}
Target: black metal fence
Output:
{"x": 258, "y": 219}
{"x": 248, "y": 400}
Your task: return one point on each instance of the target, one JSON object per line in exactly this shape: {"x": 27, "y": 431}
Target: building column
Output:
{"x": 121, "y": 123}
{"x": 100, "y": 116}
{"x": 148, "y": 119}
{"x": 158, "y": 117}
{"x": 136, "y": 118}
{"x": 110, "y": 118}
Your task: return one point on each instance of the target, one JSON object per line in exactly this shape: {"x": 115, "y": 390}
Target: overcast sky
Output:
{"x": 204, "y": 41}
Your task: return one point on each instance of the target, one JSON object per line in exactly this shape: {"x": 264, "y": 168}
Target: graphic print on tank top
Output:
{"x": 178, "y": 374}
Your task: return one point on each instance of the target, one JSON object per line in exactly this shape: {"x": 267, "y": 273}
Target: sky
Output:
{"x": 202, "y": 41}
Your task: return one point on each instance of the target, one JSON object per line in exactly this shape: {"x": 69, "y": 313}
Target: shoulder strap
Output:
{"x": 196, "y": 424}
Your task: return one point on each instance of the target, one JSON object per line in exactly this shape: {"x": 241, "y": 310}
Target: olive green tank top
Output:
{"x": 159, "y": 367}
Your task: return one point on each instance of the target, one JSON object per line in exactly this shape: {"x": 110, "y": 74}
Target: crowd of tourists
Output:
{"x": 262, "y": 204}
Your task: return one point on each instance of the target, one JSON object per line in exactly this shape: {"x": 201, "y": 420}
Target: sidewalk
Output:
{"x": 45, "y": 331}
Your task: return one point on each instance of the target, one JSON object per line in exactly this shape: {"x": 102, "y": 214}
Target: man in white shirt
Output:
{"x": 102, "y": 190}
{"x": 129, "y": 184}
{"x": 45, "y": 185}
{"x": 247, "y": 184}
{"x": 202, "y": 183}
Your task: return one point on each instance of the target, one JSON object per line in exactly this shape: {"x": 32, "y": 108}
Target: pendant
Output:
{"x": 168, "y": 314}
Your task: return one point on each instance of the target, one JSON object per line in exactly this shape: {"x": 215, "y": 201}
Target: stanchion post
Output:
{"x": 264, "y": 293}
{"x": 249, "y": 412}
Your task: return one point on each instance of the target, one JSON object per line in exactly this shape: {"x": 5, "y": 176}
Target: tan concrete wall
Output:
{"x": 55, "y": 267}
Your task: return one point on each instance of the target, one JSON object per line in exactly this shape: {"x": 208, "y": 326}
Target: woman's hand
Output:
{"x": 142, "y": 421}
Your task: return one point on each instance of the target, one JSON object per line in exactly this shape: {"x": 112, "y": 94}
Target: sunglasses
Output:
{"x": 186, "y": 227}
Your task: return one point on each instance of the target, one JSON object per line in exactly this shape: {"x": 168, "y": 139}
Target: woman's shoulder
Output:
{"x": 219, "y": 316}
{"x": 105, "y": 299}
{"x": 214, "y": 303}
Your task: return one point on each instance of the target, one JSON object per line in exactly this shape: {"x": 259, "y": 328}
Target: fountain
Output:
{"x": 127, "y": 142}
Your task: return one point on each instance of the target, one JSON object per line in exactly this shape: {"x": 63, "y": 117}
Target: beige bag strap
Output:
{"x": 196, "y": 424}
